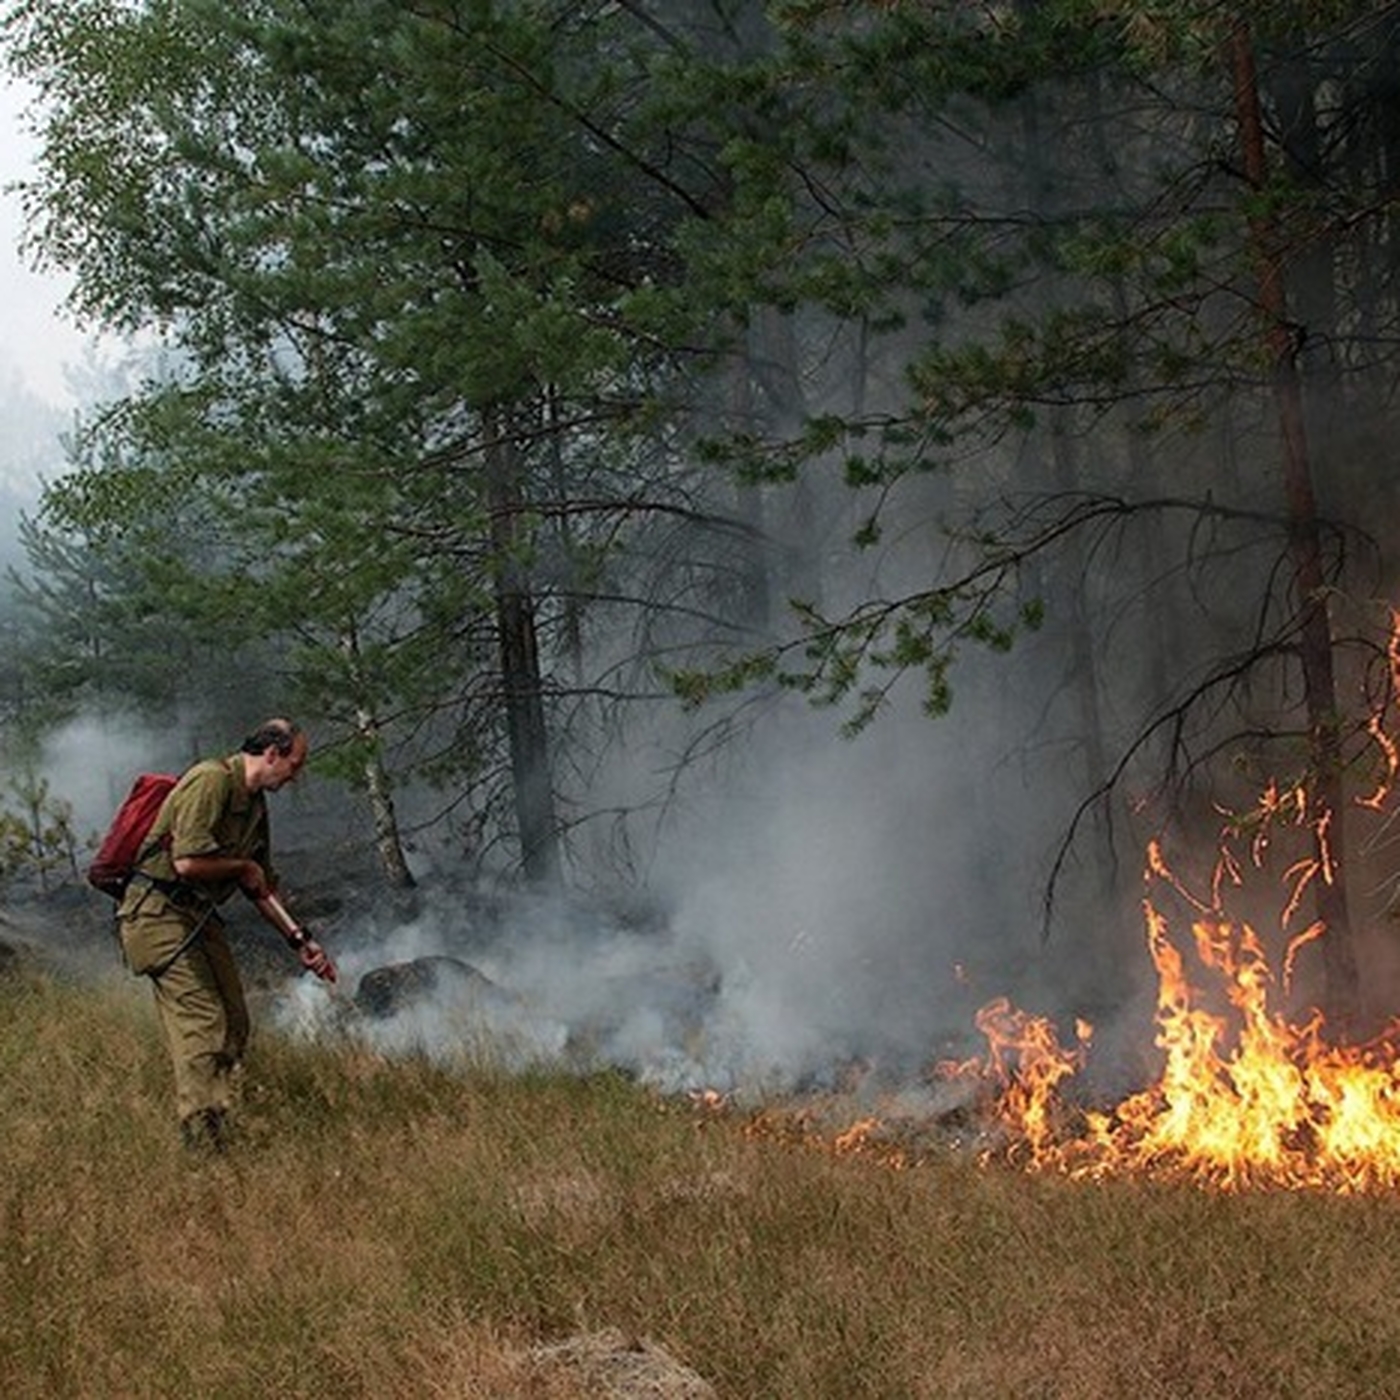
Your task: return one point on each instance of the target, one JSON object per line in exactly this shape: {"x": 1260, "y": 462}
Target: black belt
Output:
{"x": 181, "y": 895}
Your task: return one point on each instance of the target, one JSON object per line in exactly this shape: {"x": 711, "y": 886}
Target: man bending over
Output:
{"x": 210, "y": 838}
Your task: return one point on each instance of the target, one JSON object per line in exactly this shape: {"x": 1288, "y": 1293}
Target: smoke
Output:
{"x": 92, "y": 760}
{"x": 819, "y": 902}
{"x": 823, "y": 902}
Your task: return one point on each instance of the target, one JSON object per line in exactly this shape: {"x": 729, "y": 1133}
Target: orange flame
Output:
{"x": 1390, "y": 752}
{"x": 1245, "y": 1096}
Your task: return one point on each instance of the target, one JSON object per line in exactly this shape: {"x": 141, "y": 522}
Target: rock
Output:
{"x": 386, "y": 991}
{"x": 443, "y": 1005}
{"x": 614, "y": 1366}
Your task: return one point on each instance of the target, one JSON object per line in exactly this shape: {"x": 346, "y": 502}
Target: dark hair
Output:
{"x": 280, "y": 734}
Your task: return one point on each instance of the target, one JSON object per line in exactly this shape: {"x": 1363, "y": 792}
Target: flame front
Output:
{"x": 1245, "y": 1097}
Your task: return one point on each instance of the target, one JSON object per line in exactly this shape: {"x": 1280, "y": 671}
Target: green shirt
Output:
{"x": 209, "y": 812}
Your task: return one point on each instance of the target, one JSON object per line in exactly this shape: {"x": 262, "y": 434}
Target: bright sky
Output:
{"x": 38, "y": 341}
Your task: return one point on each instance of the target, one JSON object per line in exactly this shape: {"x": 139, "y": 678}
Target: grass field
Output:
{"x": 403, "y": 1228}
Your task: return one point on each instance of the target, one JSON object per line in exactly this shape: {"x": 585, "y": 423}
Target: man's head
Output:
{"x": 273, "y": 754}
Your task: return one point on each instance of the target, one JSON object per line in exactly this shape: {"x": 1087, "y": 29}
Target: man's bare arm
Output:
{"x": 249, "y": 874}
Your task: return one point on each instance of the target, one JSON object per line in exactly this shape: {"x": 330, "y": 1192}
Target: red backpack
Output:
{"x": 125, "y": 845}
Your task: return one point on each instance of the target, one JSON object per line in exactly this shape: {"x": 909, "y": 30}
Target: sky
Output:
{"x": 38, "y": 341}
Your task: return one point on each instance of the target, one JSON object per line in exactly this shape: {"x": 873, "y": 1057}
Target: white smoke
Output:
{"x": 92, "y": 760}
{"x": 825, "y": 900}
{"x": 829, "y": 901}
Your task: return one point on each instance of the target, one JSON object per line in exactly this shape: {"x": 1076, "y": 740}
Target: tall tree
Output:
{"x": 328, "y": 211}
{"x": 1315, "y": 639}
{"x": 529, "y": 265}
{"x": 1117, "y": 302}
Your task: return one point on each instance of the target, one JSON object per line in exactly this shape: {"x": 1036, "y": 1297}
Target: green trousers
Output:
{"x": 199, "y": 997}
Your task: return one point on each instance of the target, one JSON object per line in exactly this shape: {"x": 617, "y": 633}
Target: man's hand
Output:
{"x": 314, "y": 958}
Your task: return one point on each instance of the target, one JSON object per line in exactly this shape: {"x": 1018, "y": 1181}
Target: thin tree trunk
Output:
{"x": 34, "y": 800}
{"x": 1315, "y": 634}
{"x": 756, "y": 607}
{"x": 520, "y": 667}
{"x": 378, "y": 787}
{"x": 573, "y": 582}
{"x": 381, "y": 806}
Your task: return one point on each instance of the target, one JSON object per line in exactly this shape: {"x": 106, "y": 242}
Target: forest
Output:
{"x": 851, "y": 476}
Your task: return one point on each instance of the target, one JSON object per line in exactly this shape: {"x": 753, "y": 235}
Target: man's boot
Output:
{"x": 205, "y": 1131}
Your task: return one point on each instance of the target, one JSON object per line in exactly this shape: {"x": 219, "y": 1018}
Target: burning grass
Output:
{"x": 401, "y": 1228}
{"x": 1248, "y": 1095}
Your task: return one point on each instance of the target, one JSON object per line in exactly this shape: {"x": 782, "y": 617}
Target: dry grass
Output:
{"x": 397, "y": 1229}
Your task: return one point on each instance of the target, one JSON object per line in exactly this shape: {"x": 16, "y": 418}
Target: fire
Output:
{"x": 1026, "y": 1056}
{"x": 1246, "y": 1097}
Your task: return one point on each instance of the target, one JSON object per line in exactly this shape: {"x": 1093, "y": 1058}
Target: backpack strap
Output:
{"x": 156, "y": 972}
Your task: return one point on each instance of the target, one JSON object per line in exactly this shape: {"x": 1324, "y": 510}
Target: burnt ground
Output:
{"x": 408, "y": 958}
{"x": 67, "y": 928}
{"x": 598, "y": 982}
{"x": 65, "y": 932}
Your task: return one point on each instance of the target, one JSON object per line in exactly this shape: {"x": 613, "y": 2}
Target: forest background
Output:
{"x": 811, "y": 490}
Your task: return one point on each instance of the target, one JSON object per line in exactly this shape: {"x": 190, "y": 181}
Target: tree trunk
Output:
{"x": 755, "y": 609}
{"x": 381, "y": 806}
{"x": 520, "y": 665}
{"x": 1315, "y": 629}
{"x": 572, "y": 583}
{"x": 378, "y": 787}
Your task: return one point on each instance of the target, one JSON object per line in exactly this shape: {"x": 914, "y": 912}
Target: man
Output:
{"x": 210, "y": 838}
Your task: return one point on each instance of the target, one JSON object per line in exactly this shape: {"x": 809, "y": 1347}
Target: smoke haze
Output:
{"x": 821, "y": 902}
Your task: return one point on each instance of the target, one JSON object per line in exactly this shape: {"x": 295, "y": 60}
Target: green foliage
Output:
{"x": 1155, "y": 32}
{"x": 922, "y": 636}
{"x": 365, "y": 229}
{"x": 38, "y": 843}
{"x": 95, "y": 623}
{"x": 474, "y": 302}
